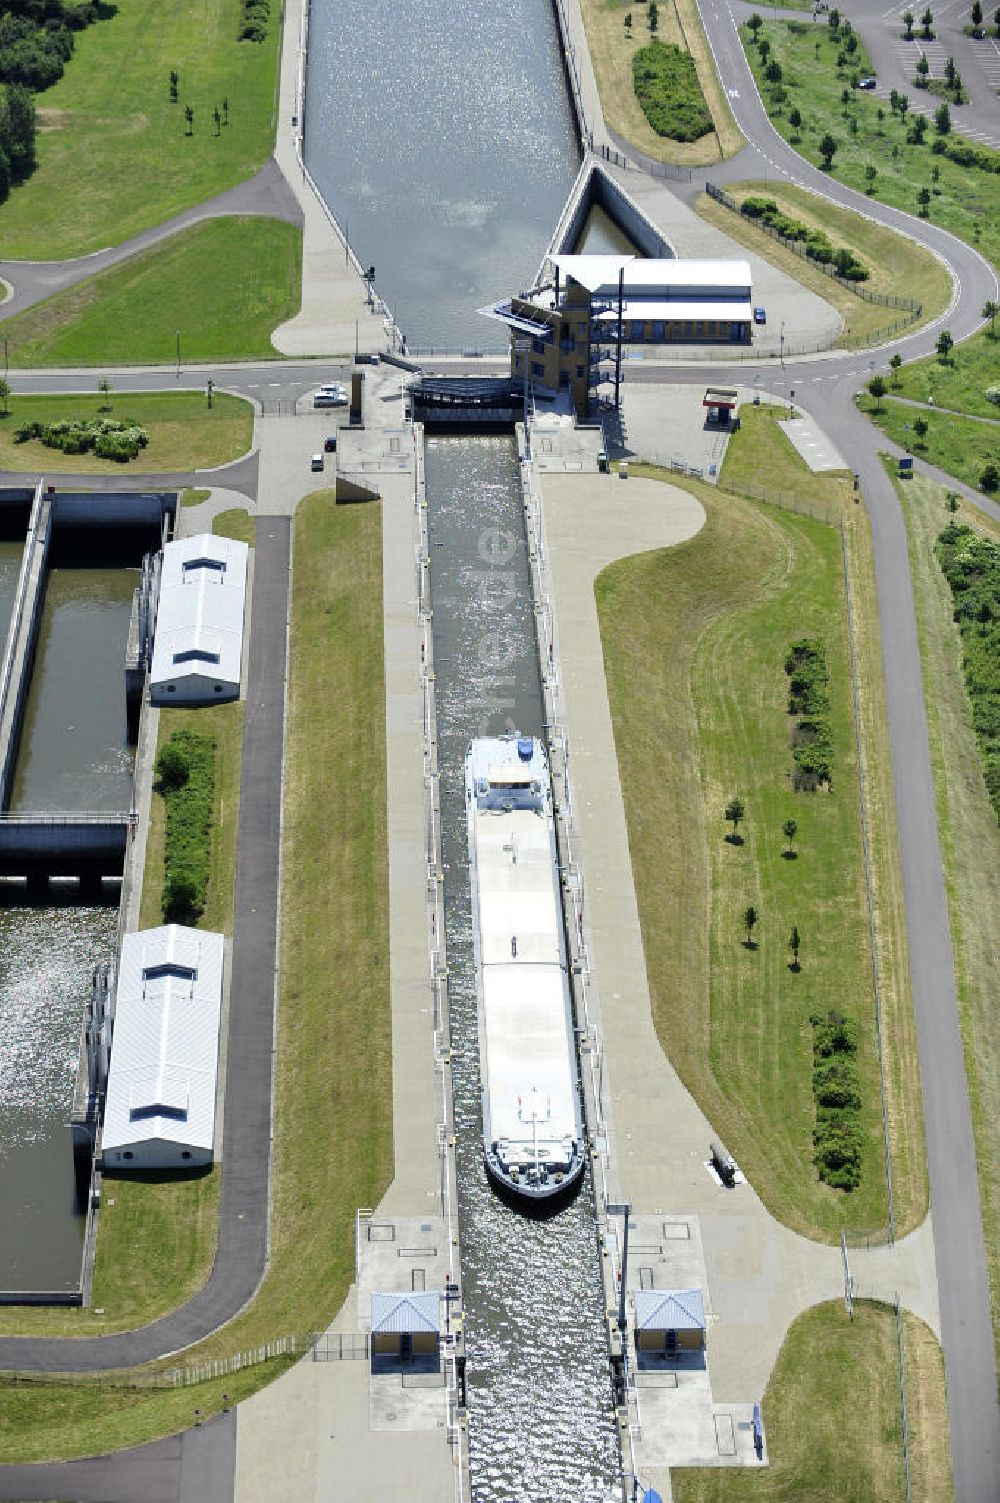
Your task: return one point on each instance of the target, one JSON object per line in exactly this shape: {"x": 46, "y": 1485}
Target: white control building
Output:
{"x": 198, "y": 643}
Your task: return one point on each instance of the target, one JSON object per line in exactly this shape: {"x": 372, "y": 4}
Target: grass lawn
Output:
{"x": 833, "y": 1419}
{"x": 759, "y": 447}
{"x": 694, "y": 642}
{"x": 224, "y": 284}
{"x": 183, "y": 433}
{"x": 612, "y": 52}
{"x": 964, "y": 200}
{"x": 194, "y": 496}
{"x": 960, "y": 445}
{"x": 899, "y": 267}
{"x": 113, "y": 156}
{"x": 333, "y": 1120}
{"x": 237, "y": 523}
{"x": 959, "y": 382}
{"x": 970, "y": 839}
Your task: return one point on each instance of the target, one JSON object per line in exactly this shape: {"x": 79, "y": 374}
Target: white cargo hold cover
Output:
{"x": 198, "y": 644}
{"x": 161, "y": 1096}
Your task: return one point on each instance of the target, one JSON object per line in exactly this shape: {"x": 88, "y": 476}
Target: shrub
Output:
{"x": 993, "y": 395}
{"x": 189, "y": 805}
{"x": 989, "y": 479}
{"x": 812, "y": 742}
{"x": 971, "y": 565}
{"x": 173, "y": 767}
{"x": 838, "y": 1143}
{"x": 252, "y": 31}
{"x": 109, "y": 438}
{"x": 666, "y": 85}
{"x": 817, "y": 246}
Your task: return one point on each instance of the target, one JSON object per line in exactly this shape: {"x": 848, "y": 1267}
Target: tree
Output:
{"x": 174, "y": 80}
{"x": 217, "y": 119}
{"x": 949, "y": 72}
{"x": 793, "y": 944}
{"x": 790, "y": 829}
{"x": 735, "y": 811}
{"x": 990, "y": 311}
{"x": 225, "y": 109}
{"x": 871, "y": 173}
{"x": 173, "y": 767}
{"x": 920, "y": 426}
{"x": 894, "y": 365}
{"x": 628, "y": 22}
{"x": 942, "y": 118}
{"x": 924, "y": 199}
{"x": 908, "y": 23}
{"x": 189, "y": 118}
{"x": 5, "y": 395}
{"x": 902, "y": 105}
{"x": 915, "y": 135}
{"x": 923, "y": 69}
{"x": 926, "y": 21}
{"x": 773, "y": 71}
{"x": 877, "y": 388}
{"x": 951, "y": 502}
{"x": 653, "y": 15}
{"x": 795, "y": 118}
{"x": 945, "y": 344}
{"x": 828, "y": 150}
{"x": 104, "y": 387}
{"x": 977, "y": 14}
{"x": 754, "y": 24}
{"x": 764, "y": 48}
{"x": 989, "y": 479}
{"x": 750, "y": 923}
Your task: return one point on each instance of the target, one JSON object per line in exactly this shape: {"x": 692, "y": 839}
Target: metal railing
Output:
{"x": 17, "y": 611}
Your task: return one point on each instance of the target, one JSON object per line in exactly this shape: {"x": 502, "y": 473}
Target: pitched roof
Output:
{"x": 669, "y": 1310}
{"x": 406, "y": 1313}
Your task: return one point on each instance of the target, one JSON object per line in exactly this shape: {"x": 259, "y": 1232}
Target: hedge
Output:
{"x": 809, "y": 703}
{"x": 837, "y": 1138}
{"x": 185, "y": 771}
{"x": 666, "y": 86}
{"x": 971, "y": 565}
{"x": 816, "y": 244}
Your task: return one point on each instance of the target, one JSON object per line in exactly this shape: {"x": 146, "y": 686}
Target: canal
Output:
{"x": 442, "y": 139}
{"x": 74, "y": 753}
{"x": 540, "y": 1403}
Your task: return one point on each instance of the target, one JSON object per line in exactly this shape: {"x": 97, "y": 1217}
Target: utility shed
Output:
{"x": 671, "y": 1320}
{"x": 198, "y": 644}
{"x": 406, "y": 1325}
{"x": 159, "y": 1110}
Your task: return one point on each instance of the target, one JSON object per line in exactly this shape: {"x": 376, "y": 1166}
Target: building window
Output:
{"x": 128, "y": 1154}
{"x": 581, "y": 371}
{"x": 658, "y": 331}
{"x": 171, "y": 688}
{"x": 538, "y": 346}
{"x": 185, "y": 1153}
{"x": 218, "y": 688}
{"x": 537, "y": 369}
{"x": 563, "y": 380}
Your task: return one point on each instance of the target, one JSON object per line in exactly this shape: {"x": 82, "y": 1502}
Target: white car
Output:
{"x": 330, "y": 396}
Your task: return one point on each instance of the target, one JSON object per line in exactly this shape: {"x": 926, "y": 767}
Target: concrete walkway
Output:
{"x": 335, "y": 317}
{"x": 760, "y": 1275}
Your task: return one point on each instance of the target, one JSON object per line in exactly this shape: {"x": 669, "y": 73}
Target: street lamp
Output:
{"x": 178, "y": 353}
{"x": 781, "y": 343}
{"x": 623, "y": 1209}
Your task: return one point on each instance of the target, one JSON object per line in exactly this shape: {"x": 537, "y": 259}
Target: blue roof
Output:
{"x": 669, "y": 1310}
{"x": 403, "y": 1314}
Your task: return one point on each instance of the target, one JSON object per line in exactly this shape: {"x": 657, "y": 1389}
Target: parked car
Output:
{"x": 330, "y": 443}
{"x": 760, "y": 316}
{"x": 316, "y": 463}
{"x": 330, "y": 396}
{"x": 867, "y": 83}
{"x": 367, "y": 360}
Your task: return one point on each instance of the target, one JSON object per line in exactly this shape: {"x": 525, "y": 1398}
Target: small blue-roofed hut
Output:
{"x": 406, "y": 1325}
{"x": 669, "y": 1320}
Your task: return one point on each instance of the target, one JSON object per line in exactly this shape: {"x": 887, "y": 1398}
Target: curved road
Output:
{"x": 826, "y": 386}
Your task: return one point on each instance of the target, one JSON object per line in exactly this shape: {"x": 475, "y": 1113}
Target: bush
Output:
{"x": 989, "y": 480}
{"x": 993, "y": 395}
{"x": 666, "y": 85}
{"x": 817, "y": 245}
{"x": 189, "y": 805}
{"x": 838, "y": 1143}
{"x": 109, "y": 438}
{"x": 252, "y": 31}
{"x": 812, "y": 743}
{"x": 971, "y": 565}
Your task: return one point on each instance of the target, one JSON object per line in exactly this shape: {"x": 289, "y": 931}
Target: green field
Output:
{"x": 958, "y": 383}
{"x": 184, "y": 434}
{"x": 844, "y": 1376}
{"x": 970, "y": 838}
{"x": 113, "y": 155}
{"x": 612, "y": 51}
{"x": 899, "y": 267}
{"x": 964, "y": 200}
{"x": 222, "y": 286}
{"x": 694, "y": 642}
{"x": 333, "y": 1122}
{"x": 960, "y": 445}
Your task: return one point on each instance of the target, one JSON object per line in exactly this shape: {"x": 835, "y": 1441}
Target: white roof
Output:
{"x": 600, "y": 273}
{"x": 669, "y": 1310}
{"x": 165, "y": 1048}
{"x": 199, "y": 618}
{"x": 402, "y": 1313}
{"x": 528, "y": 1065}
{"x": 644, "y": 311}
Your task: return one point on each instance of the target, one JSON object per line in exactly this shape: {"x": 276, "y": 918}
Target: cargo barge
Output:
{"x": 533, "y": 1133}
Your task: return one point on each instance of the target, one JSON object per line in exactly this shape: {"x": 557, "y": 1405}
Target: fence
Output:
{"x": 912, "y": 308}
{"x": 176, "y": 1377}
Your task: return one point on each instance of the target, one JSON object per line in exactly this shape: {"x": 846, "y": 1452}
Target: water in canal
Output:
{"x": 442, "y": 139}
{"x": 46, "y": 959}
{"x": 10, "y": 563}
{"x": 74, "y": 753}
{"x": 540, "y": 1404}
